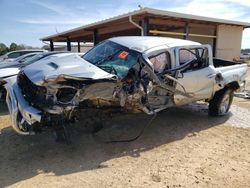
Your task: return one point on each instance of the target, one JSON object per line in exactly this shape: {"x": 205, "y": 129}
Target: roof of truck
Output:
{"x": 143, "y": 43}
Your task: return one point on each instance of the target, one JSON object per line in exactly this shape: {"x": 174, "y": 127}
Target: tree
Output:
{"x": 3, "y": 49}
{"x": 13, "y": 46}
{"x": 45, "y": 47}
{"x": 20, "y": 47}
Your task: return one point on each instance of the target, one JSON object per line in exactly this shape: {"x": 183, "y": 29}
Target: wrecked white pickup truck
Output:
{"x": 132, "y": 74}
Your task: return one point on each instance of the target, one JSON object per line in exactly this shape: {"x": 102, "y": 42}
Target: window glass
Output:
{"x": 197, "y": 57}
{"x": 160, "y": 62}
{"x": 14, "y": 55}
{"x": 186, "y": 56}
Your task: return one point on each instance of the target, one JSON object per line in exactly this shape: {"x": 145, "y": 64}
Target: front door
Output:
{"x": 198, "y": 77}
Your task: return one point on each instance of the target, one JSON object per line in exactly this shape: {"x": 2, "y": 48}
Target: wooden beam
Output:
{"x": 166, "y": 33}
{"x": 116, "y": 28}
{"x": 200, "y": 35}
{"x": 180, "y": 34}
{"x": 166, "y": 22}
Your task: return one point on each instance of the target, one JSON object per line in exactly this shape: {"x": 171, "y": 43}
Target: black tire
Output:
{"x": 221, "y": 102}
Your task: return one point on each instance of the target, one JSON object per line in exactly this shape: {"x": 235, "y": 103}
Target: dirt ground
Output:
{"x": 183, "y": 147}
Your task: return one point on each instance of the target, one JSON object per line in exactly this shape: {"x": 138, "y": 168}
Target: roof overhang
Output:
{"x": 122, "y": 21}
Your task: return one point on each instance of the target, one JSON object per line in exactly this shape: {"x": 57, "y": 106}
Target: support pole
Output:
{"x": 79, "y": 46}
{"x": 145, "y": 26}
{"x": 186, "y": 30}
{"x": 68, "y": 44}
{"x": 214, "y": 42}
{"x": 51, "y": 45}
{"x": 95, "y": 37}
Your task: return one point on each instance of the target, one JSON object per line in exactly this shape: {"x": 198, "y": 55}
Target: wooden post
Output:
{"x": 95, "y": 37}
{"x": 145, "y": 26}
{"x": 68, "y": 44}
{"x": 51, "y": 45}
{"x": 186, "y": 30}
{"x": 214, "y": 42}
{"x": 79, "y": 46}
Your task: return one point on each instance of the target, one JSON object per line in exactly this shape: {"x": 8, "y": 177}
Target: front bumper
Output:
{"x": 20, "y": 110}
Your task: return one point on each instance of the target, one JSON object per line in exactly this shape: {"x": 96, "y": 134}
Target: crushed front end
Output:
{"x": 70, "y": 88}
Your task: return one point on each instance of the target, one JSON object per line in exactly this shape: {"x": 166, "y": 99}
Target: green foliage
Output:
{"x": 3, "y": 49}
{"x": 21, "y": 47}
{"x": 13, "y": 46}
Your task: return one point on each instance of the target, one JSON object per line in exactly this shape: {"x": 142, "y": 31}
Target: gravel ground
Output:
{"x": 183, "y": 147}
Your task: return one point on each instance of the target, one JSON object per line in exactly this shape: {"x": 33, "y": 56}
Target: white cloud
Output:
{"x": 63, "y": 16}
{"x": 224, "y": 9}
{"x": 212, "y": 8}
{"x": 246, "y": 39}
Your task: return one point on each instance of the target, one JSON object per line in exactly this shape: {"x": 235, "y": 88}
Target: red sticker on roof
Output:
{"x": 123, "y": 54}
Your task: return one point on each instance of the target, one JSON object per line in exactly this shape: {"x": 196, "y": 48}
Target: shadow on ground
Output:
{"x": 22, "y": 157}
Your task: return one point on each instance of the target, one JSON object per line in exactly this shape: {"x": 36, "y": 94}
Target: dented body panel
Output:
{"x": 117, "y": 74}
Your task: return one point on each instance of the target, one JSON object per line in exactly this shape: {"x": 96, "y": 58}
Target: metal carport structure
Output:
{"x": 148, "y": 21}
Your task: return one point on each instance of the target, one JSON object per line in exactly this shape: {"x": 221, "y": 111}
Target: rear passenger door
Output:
{"x": 198, "y": 78}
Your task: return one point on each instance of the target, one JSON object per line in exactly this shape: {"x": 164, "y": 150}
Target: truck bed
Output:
{"x": 223, "y": 63}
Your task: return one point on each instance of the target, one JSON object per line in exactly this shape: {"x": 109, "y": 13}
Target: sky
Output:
{"x": 26, "y": 21}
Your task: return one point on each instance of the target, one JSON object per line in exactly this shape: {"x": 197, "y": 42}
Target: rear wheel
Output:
{"x": 221, "y": 102}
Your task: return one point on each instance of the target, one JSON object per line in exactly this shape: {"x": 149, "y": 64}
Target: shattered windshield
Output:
{"x": 112, "y": 58}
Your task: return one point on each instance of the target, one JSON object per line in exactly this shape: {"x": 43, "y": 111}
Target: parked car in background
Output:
{"x": 10, "y": 56}
{"x": 245, "y": 56}
{"x": 12, "y": 68}
{"x": 18, "y": 61}
{"x": 122, "y": 74}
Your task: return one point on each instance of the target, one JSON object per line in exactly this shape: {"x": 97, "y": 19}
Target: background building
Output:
{"x": 223, "y": 35}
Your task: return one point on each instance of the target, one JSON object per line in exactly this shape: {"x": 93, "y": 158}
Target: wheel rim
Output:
{"x": 224, "y": 104}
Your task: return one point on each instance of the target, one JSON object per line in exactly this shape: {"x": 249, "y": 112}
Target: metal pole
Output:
{"x": 78, "y": 46}
{"x": 145, "y": 26}
{"x": 68, "y": 44}
{"x": 51, "y": 45}
{"x": 95, "y": 37}
{"x": 135, "y": 24}
{"x": 214, "y": 42}
{"x": 186, "y": 30}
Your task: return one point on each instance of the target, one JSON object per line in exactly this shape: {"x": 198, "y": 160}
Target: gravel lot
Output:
{"x": 183, "y": 147}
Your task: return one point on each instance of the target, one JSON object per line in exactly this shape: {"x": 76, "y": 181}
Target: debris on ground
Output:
{"x": 244, "y": 94}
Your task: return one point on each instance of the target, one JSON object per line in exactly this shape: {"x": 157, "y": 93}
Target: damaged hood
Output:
{"x": 71, "y": 66}
{"x": 8, "y": 72}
